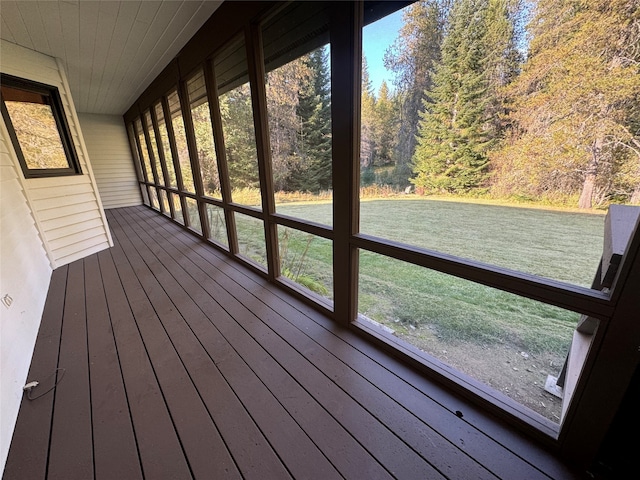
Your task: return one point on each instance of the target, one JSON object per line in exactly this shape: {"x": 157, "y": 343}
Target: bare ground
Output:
{"x": 517, "y": 374}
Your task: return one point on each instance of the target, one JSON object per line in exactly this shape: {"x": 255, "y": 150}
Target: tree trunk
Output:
{"x": 635, "y": 196}
{"x": 589, "y": 184}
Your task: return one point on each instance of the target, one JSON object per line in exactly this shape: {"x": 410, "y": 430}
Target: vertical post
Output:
{"x": 133, "y": 145}
{"x": 161, "y": 157}
{"x": 346, "y": 52}
{"x": 185, "y": 107}
{"x": 168, "y": 122}
{"x": 255, "y": 64}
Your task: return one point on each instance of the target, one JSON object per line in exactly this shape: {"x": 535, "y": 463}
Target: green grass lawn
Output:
{"x": 417, "y": 302}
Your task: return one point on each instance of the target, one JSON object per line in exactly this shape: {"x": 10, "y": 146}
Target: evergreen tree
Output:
{"x": 385, "y": 127}
{"x": 452, "y": 139}
{"x": 239, "y": 138}
{"x": 313, "y": 172}
{"x": 413, "y": 58}
{"x": 367, "y": 122}
{"x": 575, "y": 106}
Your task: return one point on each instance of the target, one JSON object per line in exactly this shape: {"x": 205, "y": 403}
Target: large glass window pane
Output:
{"x": 203, "y": 130}
{"x": 217, "y": 225}
{"x": 166, "y": 147}
{"x": 193, "y": 215}
{"x": 508, "y": 342}
{"x": 177, "y": 123}
{"x": 143, "y": 148}
{"x": 444, "y": 166}
{"x": 237, "y": 123}
{"x": 298, "y": 86}
{"x": 154, "y": 148}
{"x": 306, "y": 260}
{"x": 251, "y": 242}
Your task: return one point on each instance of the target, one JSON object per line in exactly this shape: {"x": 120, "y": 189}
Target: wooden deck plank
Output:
{"x": 71, "y": 450}
{"x": 295, "y": 448}
{"x": 179, "y": 354}
{"x": 29, "y": 449}
{"x": 204, "y": 448}
{"x": 428, "y": 443}
{"x": 160, "y": 451}
{"x": 398, "y": 457}
{"x": 470, "y": 433}
{"x": 329, "y": 435}
{"x": 255, "y": 459}
{"x": 115, "y": 451}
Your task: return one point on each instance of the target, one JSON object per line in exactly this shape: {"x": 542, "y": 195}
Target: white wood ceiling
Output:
{"x": 111, "y": 50}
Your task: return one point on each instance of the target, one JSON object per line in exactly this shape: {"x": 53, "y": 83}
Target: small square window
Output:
{"x": 38, "y": 129}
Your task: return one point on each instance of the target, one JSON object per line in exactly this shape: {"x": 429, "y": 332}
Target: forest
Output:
{"x": 534, "y": 101}
{"x": 512, "y": 99}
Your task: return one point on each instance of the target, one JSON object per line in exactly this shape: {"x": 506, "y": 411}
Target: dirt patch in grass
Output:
{"x": 518, "y": 374}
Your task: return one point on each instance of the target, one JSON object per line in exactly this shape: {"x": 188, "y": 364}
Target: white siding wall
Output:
{"x": 108, "y": 147}
{"x": 67, "y": 210}
{"x": 24, "y": 276}
{"x": 44, "y": 223}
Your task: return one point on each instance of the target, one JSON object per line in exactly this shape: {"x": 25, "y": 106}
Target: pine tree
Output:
{"x": 413, "y": 58}
{"x": 313, "y": 172}
{"x": 575, "y": 105}
{"x": 385, "y": 127}
{"x": 367, "y": 122}
{"x": 452, "y": 139}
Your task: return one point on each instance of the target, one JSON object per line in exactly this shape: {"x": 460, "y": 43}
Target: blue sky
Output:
{"x": 376, "y": 38}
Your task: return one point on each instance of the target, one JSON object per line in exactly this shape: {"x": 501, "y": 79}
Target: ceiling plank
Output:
{"x": 53, "y": 29}
{"x": 111, "y": 50}
{"x": 6, "y": 31}
{"x": 31, "y": 16}
{"x": 70, "y": 19}
{"x": 119, "y": 43}
{"x": 11, "y": 14}
{"x": 138, "y": 32}
{"x": 89, "y": 12}
{"x": 107, "y": 17}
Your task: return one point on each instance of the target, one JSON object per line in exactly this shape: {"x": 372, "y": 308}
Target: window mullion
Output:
{"x": 133, "y": 145}
{"x": 255, "y": 64}
{"x": 168, "y": 122}
{"x": 143, "y": 168}
{"x": 221, "y": 154}
{"x": 346, "y": 50}
{"x": 161, "y": 157}
{"x": 193, "y": 155}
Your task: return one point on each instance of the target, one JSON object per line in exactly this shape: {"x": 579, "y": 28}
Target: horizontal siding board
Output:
{"x": 57, "y": 182}
{"x": 59, "y": 213}
{"x": 62, "y": 222}
{"x": 61, "y": 191}
{"x": 80, "y": 254}
{"x": 93, "y": 238}
{"x": 73, "y": 228}
{"x": 56, "y": 202}
{"x": 72, "y": 238}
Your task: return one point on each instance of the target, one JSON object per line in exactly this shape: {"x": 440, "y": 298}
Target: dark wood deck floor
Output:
{"x": 178, "y": 363}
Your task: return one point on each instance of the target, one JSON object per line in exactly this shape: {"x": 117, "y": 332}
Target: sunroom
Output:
{"x": 191, "y": 290}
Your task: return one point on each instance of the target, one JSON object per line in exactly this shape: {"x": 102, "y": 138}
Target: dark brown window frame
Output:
{"x": 578, "y": 435}
{"x": 58, "y": 112}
